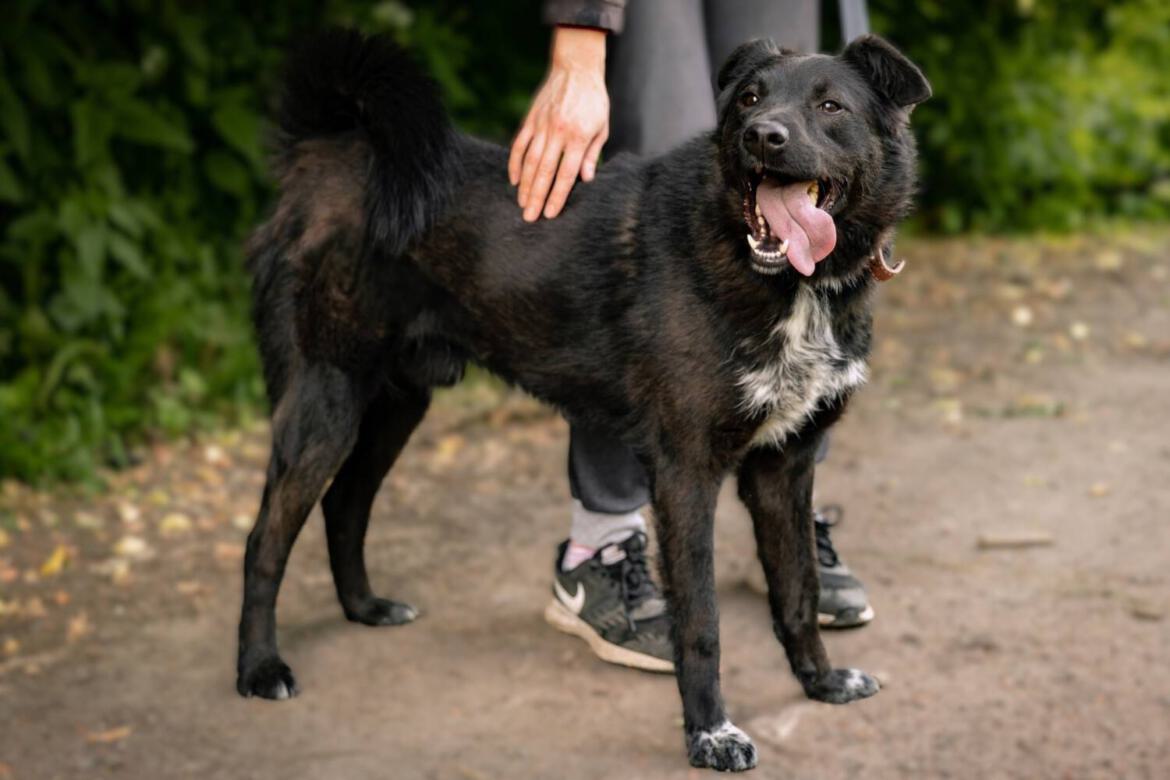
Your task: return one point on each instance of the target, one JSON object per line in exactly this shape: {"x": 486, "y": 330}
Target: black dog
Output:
{"x": 675, "y": 303}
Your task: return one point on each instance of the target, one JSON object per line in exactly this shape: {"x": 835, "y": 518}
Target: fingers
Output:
{"x": 566, "y": 178}
{"x": 532, "y": 157}
{"x": 589, "y": 166}
{"x": 516, "y": 158}
{"x": 542, "y": 181}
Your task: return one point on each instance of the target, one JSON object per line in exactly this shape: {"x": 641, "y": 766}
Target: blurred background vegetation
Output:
{"x": 132, "y": 164}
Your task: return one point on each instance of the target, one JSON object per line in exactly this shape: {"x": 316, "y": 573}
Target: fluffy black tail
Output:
{"x": 340, "y": 81}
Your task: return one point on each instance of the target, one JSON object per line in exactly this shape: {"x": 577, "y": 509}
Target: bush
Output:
{"x": 132, "y": 165}
{"x": 1046, "y": 115}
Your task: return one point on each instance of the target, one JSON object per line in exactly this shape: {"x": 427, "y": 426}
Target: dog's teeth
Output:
{"x": 783, "y": 250}
{"x": 752, "y": 242}
{"x": 758, "y": 212}
{"x": 814, "y": 190}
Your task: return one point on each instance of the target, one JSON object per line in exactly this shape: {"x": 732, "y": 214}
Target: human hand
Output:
{"x": 566, "y": 126}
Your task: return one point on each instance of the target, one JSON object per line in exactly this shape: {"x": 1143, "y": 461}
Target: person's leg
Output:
{"x": 660, "y": 95}
{"x": 659, "y": 78}
{"x": 794, "y": 24}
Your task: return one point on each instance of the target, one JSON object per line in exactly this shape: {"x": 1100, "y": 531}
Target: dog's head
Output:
{"x": 818, "y": 149}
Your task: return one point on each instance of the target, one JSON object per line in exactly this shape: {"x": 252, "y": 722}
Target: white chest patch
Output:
{"x": 807, "y": 371}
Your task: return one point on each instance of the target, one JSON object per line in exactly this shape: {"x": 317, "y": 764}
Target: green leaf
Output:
{"x": 189, "y": 29}
{"x": 14, "y": 119}
{"x": 227, "y": 173}
{"x": 91, "y": 132}
{"x": 34, "y": 227}
{"x": 122, "y": 214}
{"x": 138, "y": 121}
{"x": 128, "y": 255}
{"x": 91, "y": 250}
{"x": 110, "y": 78}
{"x": 10, "y": 189}
{"x": 240, "y": 127}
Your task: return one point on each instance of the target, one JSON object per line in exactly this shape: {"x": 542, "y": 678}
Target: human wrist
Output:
{"x": 578, "y": 49}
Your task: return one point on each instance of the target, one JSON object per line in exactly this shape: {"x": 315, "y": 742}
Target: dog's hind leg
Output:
{"x": 314, "y": 427}
{"x": 777, "y": 487}
{"x": 388, "y": 422}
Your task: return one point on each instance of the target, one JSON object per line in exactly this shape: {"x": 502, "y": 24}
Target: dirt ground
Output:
{"x": 1020, "y": 389}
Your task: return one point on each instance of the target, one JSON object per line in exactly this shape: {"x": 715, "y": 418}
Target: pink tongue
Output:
{"x": 791, "y": 215}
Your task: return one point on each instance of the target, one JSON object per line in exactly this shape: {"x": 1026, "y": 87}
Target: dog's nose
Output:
{"x": 764, "y": 138}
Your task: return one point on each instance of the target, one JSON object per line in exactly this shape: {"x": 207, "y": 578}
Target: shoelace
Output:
{"x": 633, "y": 575}
{"x": 824, "y": 519}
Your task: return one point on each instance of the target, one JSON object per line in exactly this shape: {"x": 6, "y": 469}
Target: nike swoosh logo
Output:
{"x": 574, "y": 602}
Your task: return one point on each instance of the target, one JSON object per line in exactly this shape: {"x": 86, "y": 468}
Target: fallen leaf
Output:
{"x": 1034, "y": 405}
{"x": 215, "y": 455}
{"x": 133, "y": 547}
{"x": 210, "y": 476}
{"x": 188, "y": 587}
{"x": 1022, "y": 316}
{"x": 11, "y": 646}
{"x": 1146, "y": 610}
{"x": 55, "y": 562}
{"x": 1100, "y": 489}
{"x": 1015, "y": 539}
{"x": 4, "y": 539}
{"x": 951, "y": 409}
{"x": 1134, "y": 340}
{"x": 446, "y": 450}
{"x": 242, "y": 522}
{"x": 78, "y": 627}
{"x": 174, "y": 524}
{"x": 1109, "y": 260}
{"x": 109, "y": 735}
{"x": 227, "y": 552}
{"x": 61, "y": 598}
{"x": 88, "y": 520}
{"x": 129, "y": 513}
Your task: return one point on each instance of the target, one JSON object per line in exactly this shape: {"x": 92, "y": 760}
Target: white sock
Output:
{"x": 590, "y": 531}
{"x": 575, "y": 555}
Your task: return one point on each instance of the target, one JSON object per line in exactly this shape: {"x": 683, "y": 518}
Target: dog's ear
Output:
{"x": 888, "y": 70}
{"x": 746, "y": 58}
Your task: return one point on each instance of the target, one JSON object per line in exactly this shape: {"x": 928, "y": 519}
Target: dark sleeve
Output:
{"x": 603, "y": 14}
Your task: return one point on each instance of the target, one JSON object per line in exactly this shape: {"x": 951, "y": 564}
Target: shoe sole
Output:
{"x": 845, "y": 619}
{"x": 562, "y": 619}
{"x": 755, "y": 583}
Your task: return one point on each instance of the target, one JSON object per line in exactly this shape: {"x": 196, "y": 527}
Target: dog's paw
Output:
{"x": 381, "y": 612}
{"x": 269, "y": 678}
{"x": 842, "y": 686}
{"x": 725, "y": 748}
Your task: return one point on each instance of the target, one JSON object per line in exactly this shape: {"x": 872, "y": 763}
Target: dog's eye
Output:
{"x": 749, "y": 99}
{"x": 830, "y": 107}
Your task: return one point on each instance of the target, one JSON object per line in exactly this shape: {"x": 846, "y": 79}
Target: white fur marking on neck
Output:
{"x": 804, "y": 373}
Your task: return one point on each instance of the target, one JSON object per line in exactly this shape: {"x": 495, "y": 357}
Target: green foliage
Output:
{"x": 1046, "y": 114}
{"x": 132, "y": 165}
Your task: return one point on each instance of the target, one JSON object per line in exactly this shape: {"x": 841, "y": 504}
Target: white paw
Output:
{"x": 725, "y": 748}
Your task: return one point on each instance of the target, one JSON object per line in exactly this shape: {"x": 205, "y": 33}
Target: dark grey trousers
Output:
{"x": 661, "y": 77}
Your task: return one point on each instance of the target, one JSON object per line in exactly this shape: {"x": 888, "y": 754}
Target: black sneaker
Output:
{"x": 843, "y": 602}
{"x": 611, "y": 602}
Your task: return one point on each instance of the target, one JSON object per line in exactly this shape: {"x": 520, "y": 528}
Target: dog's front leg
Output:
{"x": 684, "y": 505}
{"x": 777, "y": 487}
